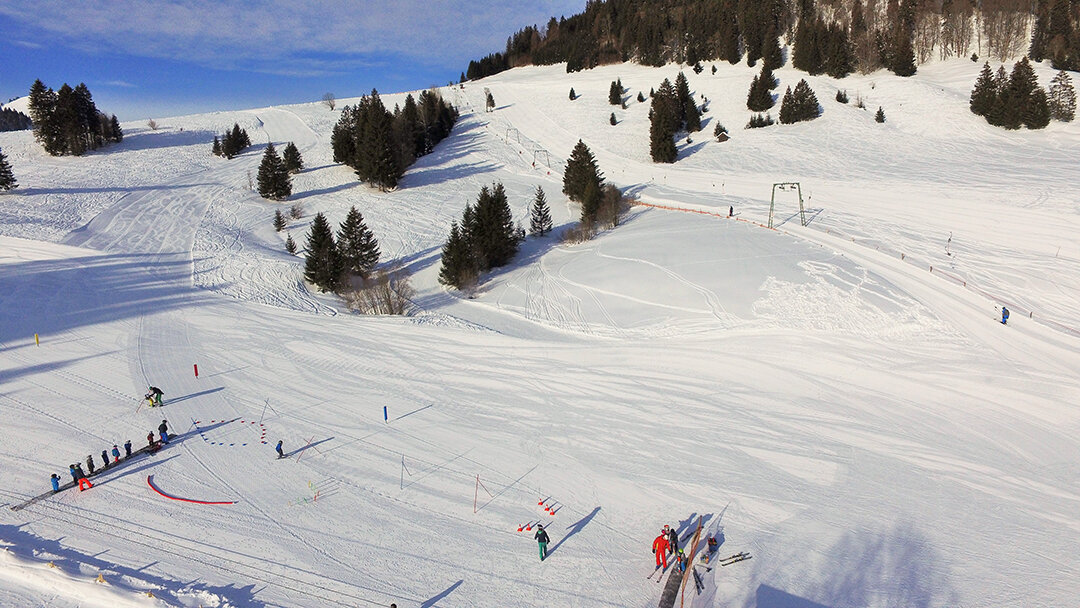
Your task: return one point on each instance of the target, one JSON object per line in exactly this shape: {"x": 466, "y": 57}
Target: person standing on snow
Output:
{"x": 153, "y": 394}
{"x": 163, "y": 428}
{"x": 90, "y": 463}
{"x": 1004, "y": 316}
{"x": 280, "y": 452}
{"x": 673, "y": 540}
{"x": 542, "y": 539}
{"x": 127, "y": 449}
{"x": 115, "y": 453}
{"x": 74, "y": 473}
{"x": 659, "y": 547}
{"x": 105, "y": 459}
{"x": 55, "y": 483}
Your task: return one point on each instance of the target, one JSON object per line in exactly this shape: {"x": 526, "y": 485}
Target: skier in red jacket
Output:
{"x": 659, "y": 547}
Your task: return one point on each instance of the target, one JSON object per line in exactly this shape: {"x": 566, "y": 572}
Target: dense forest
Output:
{"x": 833, "y": 36}
{"x": 13, "y": 120}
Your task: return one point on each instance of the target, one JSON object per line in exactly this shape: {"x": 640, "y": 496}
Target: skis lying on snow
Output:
{"x": 734, "y": 559}
{"x": 699, "y": 584}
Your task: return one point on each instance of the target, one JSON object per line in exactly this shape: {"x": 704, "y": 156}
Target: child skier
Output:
{"x": 163, "y": 428}
{"x": 115, "y": 453}
{"x": 55, "y": 483}
{"x": 153, "y": 395}
{"x": 542, "y": 539}
{"x": 90, "y": 463}
{"x": 127, "y": 449}
{"x": 280, "y": 452}
{"x": 105, "y": 459}
{"x": 1004, "y": 315}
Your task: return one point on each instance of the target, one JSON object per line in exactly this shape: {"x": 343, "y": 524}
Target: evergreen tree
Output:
{"x": 640, "y": 97}
{"x": 590, "y": 203}
{"x": 357, "y": 247}
{"x": 1036, "y": 114}
{"x": 117, "y": 132}
{"x": 290, "y": 244}
{"x": 772, "y": 56}
{"x": 1017, "y": 94}
{"x": 841, "y": 95}
{"x": 342, "y": 138}
{"x": 880, "y": 116}
{"x": 759, "y": 98}
{"x": 573, "y": 95}
{"x": 760, "y": 120}
{"x": 1062, "y": 98}
{"x": 42, "y": 107}
{"x": 581, "y": 170}
{"x": 540, "y": 216}
{"x": 799, "y": 105}
{"x": 984, "y": 92}
{"x": 294, "y": 163}
{"x": 279, "y": 220}
{"x": 376, "y": 162}
{"x": 7, "y": 177}
{"x": 322, "y": 266}
{"x": 612, "y": 120}
{"x": 615, "y": 94}
{"x": 273, "y": 178}
{"x": 683, "y": 100}
{"x": 456, "y": 270}
{"x": 496, "y": 237}
{"x": 217, "y": 146}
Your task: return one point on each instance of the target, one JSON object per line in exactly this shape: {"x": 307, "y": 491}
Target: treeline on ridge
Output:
{"x": 834, "y": 36}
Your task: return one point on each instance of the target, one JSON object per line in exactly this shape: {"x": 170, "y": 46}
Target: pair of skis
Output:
{"x": 731, "y": 559}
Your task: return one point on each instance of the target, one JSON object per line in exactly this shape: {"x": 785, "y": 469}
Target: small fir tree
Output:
{"x": 880, "y": 115}
{"x": 573, "y": 95}
{"x": 216, "y": 149}
{"x": 1036, "y": 114}
{"x": 612, "y": 120}
{"x": 1062, "y": 98}
{"x": 540, "y": 216}
{"x": 640, "y": 97}
{"x": 290, "y": 244}
{"x": 7, "y": 177}
{"x": 799, "y": 104}
{"x": 615, "y": 93}
{"x": 581, "y": 170}
{"x": 322, "y": 266}
{"x": 294, "y": 163}
{"x": 279, "y": 220}
{"x": 117, "y": 132}
{"x": 841, "y": 96}
{"x": 984, "y": 92}
{"x": 274, "y": 181}
{"x": 357, "y": 247}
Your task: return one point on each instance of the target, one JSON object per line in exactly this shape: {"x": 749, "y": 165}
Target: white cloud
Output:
{"x": 120, "y": 83}
{"x": 288, "y": 36}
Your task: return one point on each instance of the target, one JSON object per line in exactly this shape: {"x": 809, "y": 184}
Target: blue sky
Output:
{"x": 151, "y": 58}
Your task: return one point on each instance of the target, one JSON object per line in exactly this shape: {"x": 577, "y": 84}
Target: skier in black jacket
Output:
{"x": 673, "y": 541}
{"x": 542, "y": 539}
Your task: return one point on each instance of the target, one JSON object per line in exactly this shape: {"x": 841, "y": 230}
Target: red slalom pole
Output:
{"x": 196, "y": 366}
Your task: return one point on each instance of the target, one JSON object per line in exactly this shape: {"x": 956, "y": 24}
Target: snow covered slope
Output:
{"x": 868, "y": 430}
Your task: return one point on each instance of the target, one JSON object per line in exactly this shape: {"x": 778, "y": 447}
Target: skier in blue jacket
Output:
{"x": 55, "y": 483}
{"x": 1004, "y": 315}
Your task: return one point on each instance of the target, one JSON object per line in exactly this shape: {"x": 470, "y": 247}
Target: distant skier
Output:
{"x": 116, "y": 453}
{"x": 153, "y": 395}
{"x": 659, "y": 547}
{"x": 1004, "y": 315}
{"x": 542, "y": 539}
{"x": 90, "y": 463}
{"x": 280, "y": 452}
{"x": 127, "y": 449}
{"x": 163, "y": 428}
{"x": 673, "y": 540}
{"x": 55, "y": 483}
{"x": 731, "y": 210}
{"x": 105, "y": 459}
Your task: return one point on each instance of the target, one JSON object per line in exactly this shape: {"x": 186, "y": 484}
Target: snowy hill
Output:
{"x": 837, "y": 398}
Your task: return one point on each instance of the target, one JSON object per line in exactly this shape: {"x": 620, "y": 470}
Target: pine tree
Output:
{"x": 540, "y": 216}
{"x": 376, "y": 162}
{"x": 581, "y": 170}
{"x": 615, "y": 93}
{"x": 117, "y": 132}
{"x": 1062, "y": 98}
{"x": 273, "y": 178}
{"x": 290, "y": 244}
{"x": 841, "y": 95}
{"x": 880, "y": 116}
{"x": 799, "y": 105}
{"x": 217, "y": 146}
{"x": 640, "y": 97}
{"x": 357, "y": 247}
{"x": 7, "y": 177}
{"x": 1017, "y": 94}
{"x": 612, "y": 120}
{"x": 279, "y": 220}
{"x": 1036, "y": 114}
{"x": 759, "y": 98}
{"x": 984, "y": 92}
{"x": 455, "y": 270}
{"x": 496, "y": 240}
{"x": 294, "y": 163}
{"x": 682, "y": 100}
{"x": 573, "y": 95}
{"x": 322, "y": 266}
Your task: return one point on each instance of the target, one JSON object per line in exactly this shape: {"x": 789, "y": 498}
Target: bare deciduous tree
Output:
{"x": 152, "y": 124}
{"x": 1005, "y": 25}
{"x": 383, "y": 293}
{"x": 329, "y": 100}
{"x": 957, "y": 27}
